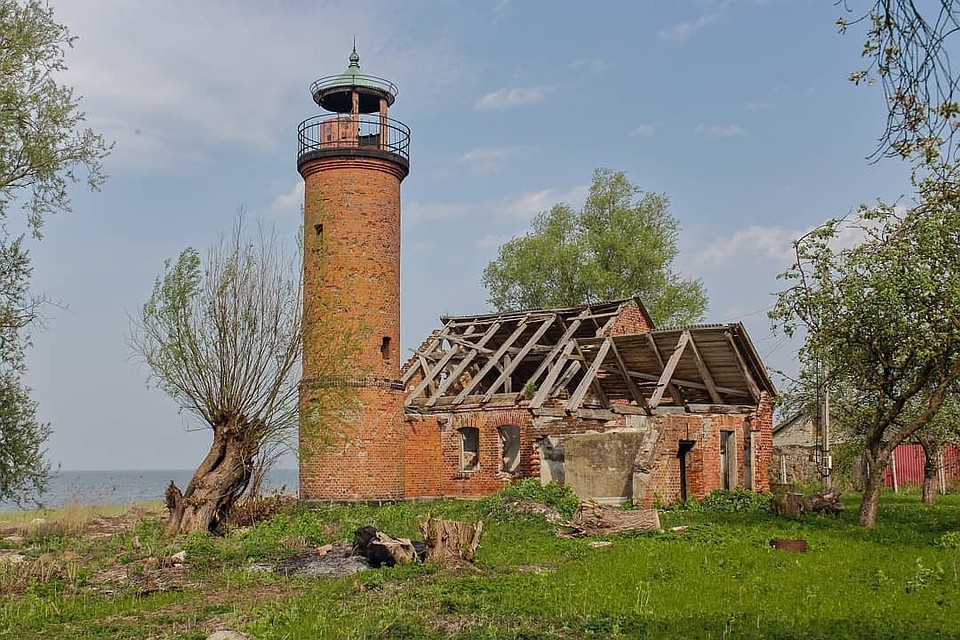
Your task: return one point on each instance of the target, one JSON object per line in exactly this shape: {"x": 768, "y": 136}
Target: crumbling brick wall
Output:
{"x": 631, "y": 319}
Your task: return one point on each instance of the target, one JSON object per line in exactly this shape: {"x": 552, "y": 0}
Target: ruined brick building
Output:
{"x": 593, "y": 396}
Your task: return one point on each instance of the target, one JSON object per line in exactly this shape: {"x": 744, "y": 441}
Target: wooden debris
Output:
{"x": 786, "y": 502}
{"x": 450, "y": 540}
{"x": 380, "y": 548}
{"x": 594, "y": 519}
{"x": 824, "y": 501}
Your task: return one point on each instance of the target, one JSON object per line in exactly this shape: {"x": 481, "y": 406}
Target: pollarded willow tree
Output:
{"x": 44, "y": 147}
{"x": 621, "y": 243}
{"x": 881, "y": 320}
{"x": 222, "y": 337}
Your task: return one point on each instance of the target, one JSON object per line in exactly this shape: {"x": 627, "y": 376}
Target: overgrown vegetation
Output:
{"x": 716, "y": 578}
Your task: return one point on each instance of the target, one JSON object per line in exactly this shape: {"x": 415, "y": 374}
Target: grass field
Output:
{"x": 718, "y": 579}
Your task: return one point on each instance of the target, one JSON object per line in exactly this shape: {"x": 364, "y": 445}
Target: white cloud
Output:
{"x": 500, "y": 5}
{"x": 521, "y": 206}
{"x": 718, "y": 130}
{"x": 644, "y": 131}
{"x": 229, "y": 74}
{"x": 492, "y": 241}
{"x": 682, "y": 31}
{"x": 760, "y": 105}
{"x": 511, "y": 97}
{"x": 755, "y": 241}
{"x": 488, "y": 159}
{"x": 290, "y": 201}
{"x": 528, "y": 204}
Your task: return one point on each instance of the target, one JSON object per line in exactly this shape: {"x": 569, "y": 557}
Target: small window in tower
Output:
{"x": 385, "y": 348}
{"x": 469, "y": 449}
{"x": 510, "y": 448}
{"x": 318, "y": 228}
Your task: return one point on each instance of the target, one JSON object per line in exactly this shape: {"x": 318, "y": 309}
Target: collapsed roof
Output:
{"x": 543, "y": 359}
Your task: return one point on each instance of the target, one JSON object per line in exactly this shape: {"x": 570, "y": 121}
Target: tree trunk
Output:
{"x": 931, "y": 450}
{"x": 217, "y": 483}
{"x": 877, "y": 457}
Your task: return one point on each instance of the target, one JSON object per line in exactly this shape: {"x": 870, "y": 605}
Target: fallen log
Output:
{"x": 824, "y": 502}
{"x": 595, "y": 519}
{"x": 450, "y": 540}
{"x": 381, "y": 549}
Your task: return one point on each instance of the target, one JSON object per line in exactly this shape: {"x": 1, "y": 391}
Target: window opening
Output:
{"x": 728, "y": 459}
{"x": 683, "y": 453}
{"x": 385, "y": 348}
{"x": 509, "y": 448}
{"x": 469, "y": 449}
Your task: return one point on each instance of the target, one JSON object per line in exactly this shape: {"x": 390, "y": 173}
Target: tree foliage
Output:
{"x": 907, "y": 50}
{"x": 622, "y": 243}
{"x": 43, "y": 149}
{"x": 881, "y": 318}
{"x": 222, "y": 337}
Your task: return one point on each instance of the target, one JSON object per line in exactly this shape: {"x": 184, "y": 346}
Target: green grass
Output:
{"x": 718, "y": 579}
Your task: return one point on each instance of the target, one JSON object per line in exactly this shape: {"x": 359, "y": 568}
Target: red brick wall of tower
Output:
{"x": 351, "y": 287}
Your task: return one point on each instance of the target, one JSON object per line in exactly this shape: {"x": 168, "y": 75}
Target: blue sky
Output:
{"x": 740, "y": 111}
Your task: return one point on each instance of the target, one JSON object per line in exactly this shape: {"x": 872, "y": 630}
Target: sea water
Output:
{"x": 94, "y": 488}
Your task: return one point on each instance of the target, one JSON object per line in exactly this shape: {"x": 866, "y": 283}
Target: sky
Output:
{"x": 739, "y": 110}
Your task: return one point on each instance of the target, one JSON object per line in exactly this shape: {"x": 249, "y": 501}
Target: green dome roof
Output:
{"x": 333, "y": 93}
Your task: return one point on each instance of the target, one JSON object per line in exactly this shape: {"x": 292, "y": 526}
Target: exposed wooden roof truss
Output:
{"x": 504, "y": 358}
{"x": 563, "y": 360}
{"x": 690, "y": 367}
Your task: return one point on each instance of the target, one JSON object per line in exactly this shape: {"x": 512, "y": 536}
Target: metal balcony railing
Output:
{"x": 367, "y": 134}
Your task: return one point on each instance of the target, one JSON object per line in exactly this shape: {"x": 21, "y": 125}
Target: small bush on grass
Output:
{"x": 724, "y": 501}
{"x": 560, "y": 497}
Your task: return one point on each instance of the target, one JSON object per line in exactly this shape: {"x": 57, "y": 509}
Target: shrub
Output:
{"x": 560, "y": 497}
{"x": 735, "y": 501}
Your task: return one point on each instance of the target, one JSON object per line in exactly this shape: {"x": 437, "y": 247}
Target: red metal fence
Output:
{"x": 908, "y": 462}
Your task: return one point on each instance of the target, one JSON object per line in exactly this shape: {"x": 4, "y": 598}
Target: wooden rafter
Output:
{"x": 568, "y": 334}
{"x": 751, "y": 383}
{"x": 430, "y": 378}
{"x": 675, "y": 393}
{"x": 632, "y": 387}
{"x": 518, "y": 358}
{"x": 704, "y": 372}
{"x": 590, "y": 377}
{"x": 454, "y": 375}
{"x": 422, "y": 364}
{"x": 493, "y": 361}
{"x": 668, "y": 370}
{"x": 552, "y": 376}
{"x": 595, "y": 382}
{"x": 649, "y": 377}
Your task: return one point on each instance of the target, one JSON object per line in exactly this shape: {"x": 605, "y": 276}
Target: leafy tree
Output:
{"x": 882, "y": 319}
{"x": 620, "y": 244}
{"x": 223, "y": 338}
{"x": 907, "y": 50}
{"x": 43, "y": 148}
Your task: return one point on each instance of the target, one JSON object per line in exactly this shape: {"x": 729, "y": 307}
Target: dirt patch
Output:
{"x": 330, "y": 561}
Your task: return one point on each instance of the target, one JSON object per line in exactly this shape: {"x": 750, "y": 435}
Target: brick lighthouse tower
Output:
{"x": 352, "y": 160}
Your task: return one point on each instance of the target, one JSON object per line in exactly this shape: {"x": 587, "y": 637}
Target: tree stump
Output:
{"x": 450, "y": 540}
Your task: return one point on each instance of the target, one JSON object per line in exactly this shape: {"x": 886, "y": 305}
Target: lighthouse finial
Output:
{"x": 354, "y": 56}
